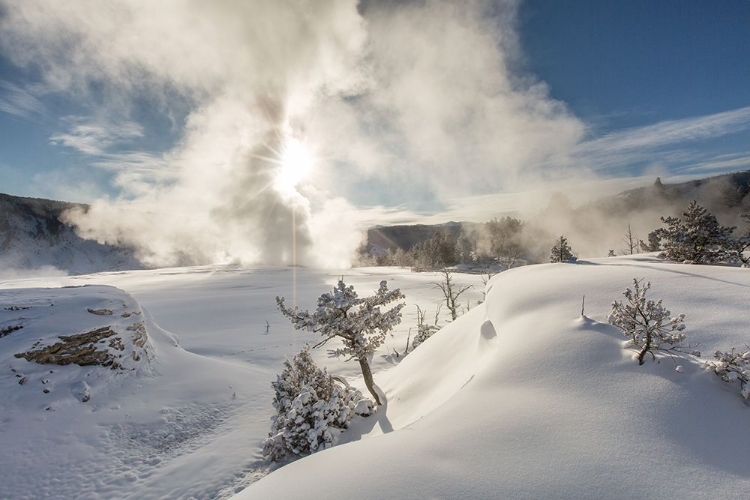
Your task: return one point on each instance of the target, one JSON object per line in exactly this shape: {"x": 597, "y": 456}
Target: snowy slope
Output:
{"x": 191, "y": 425}
{"x": 524, "y": 398}
{"x": 138, "y": 425}
{"x": 34, "y": 240}
{"x": 519, "y": 398}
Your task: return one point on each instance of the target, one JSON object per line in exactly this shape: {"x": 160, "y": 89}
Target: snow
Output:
{"x": 552, "y": 406}
{"x": 521, "y": 397}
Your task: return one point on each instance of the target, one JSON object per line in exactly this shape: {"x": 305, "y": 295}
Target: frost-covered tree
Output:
{"x": 647, "y": 322}
{"x": 312, "y": 409}
{"x": 733, "y": 366}
{"x": 697, "y": 237}
{"x": 654, "y": 242}
{"x": 743, "y": 243}
{"x": 451, "y": 293}
{"x": 358, "y": 322}
{"x": 561, "y": 252}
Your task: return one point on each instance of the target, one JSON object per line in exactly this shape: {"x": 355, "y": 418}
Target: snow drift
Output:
{"x": 113, "y": 404}
{"x": 525, "y": 398}
{"x": 521, "y": 397}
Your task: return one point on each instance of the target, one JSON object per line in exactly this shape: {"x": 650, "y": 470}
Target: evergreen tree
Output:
{"x": 743, "y": 243}
{"x": 648, "y": 323}
{"x": 358, "y": 322}
{"x": 561, "y": 252}
{"x": 654, "y": 242}
{"x": 311, "y": 409}
{"x": 697, "y": 237}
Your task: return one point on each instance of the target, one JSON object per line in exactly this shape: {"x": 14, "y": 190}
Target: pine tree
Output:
{"x": 697, "y": 237}
{"x": 311, "y": 409}
{"x": 743, "y": 243}
{"x": 358, "y": 322}
{"x": 648, "y": 323}
{"x": 561, "y": 252}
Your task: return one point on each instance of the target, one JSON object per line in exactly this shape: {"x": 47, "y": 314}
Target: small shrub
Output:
{"x": 451, "y": 292}
{"x": 733, "y": 366}
{"x": 424, "y": 330}
{"x": 562, "y": 252}
{"x": 312, "y": 409}
{"x": 647, "y": 322}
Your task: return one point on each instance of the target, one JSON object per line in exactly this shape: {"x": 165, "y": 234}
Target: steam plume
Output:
{"x": 401, "y": 103}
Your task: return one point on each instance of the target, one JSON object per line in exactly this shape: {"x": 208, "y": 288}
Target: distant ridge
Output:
{"x": 726, "y": 196}
{"x": 33, "y": 236}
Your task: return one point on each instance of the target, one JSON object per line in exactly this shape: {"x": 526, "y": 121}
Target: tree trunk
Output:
{"x": 369, "y": 382}
{"x": 646, "y": 347}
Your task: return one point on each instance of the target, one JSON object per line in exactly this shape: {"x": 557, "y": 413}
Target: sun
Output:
{"x": 295, "y": 165}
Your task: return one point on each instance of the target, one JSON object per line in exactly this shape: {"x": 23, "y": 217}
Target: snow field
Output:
{"x": 521, "y": 397}
{"x": 192, "y": 426}
{"x": 554, "y": 407}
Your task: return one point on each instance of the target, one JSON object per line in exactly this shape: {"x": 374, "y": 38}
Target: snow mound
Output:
{"x": 49, "y": 335}
{"x": 100, "y": 402}
{"x": 525, "y": 398}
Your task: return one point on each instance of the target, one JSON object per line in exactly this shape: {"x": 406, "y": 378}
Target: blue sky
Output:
{"x": 624, "y": 65}
{"x": 659, "y": 87}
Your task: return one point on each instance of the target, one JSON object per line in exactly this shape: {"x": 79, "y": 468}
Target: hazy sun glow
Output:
{"x": 295, "y": 166}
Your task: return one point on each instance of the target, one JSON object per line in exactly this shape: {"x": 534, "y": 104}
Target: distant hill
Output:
{"x": 598, "y": 225}
{"x": 405, "y": 237}
{"x": 726, "y": 196}
{"x": 32, "y": 236}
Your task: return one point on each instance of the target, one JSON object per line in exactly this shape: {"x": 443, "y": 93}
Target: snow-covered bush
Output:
{"x": 697, "y": 238}
{"x": 424, "y": 330}
{"x": 647, "y": 322}
{"x": 312, "y": 408}
{"x": 358, "y": 322}
{"x": 733, "y": 366}
{"x": 562, "y": 252}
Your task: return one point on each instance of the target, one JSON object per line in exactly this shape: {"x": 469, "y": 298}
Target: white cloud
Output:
{"x": 19, "y": 101}
{"x": 720, "y": 163}
{"x": 669, "y": 138}
{"x": 95, "y": 138}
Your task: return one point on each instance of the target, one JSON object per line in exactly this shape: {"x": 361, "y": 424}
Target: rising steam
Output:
{"x": 400, "y": 103}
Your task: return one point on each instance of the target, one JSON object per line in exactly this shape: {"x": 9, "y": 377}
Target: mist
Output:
{"x": 399, "y": 104}
{"x": 595, "y": 227}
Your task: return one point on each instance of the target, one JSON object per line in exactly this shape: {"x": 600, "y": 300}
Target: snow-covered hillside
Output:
{"x": 524, "y": 398}
{"x": 33, "y": 240}
{"x": 521, "y": 397}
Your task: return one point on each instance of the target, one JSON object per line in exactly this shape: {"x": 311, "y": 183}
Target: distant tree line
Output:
{"x": 502, "y": 243}
{"x": 505, "y": 241}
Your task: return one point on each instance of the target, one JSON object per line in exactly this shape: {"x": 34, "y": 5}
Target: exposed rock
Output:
{"x": 100, "y": 312}
{"x": 89, "y": 348}
{"x": 9, "y": 329}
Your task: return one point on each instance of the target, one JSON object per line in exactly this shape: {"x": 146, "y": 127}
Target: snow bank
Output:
{"x": 524, "y": 398}
{"x": 118, "y": 428}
